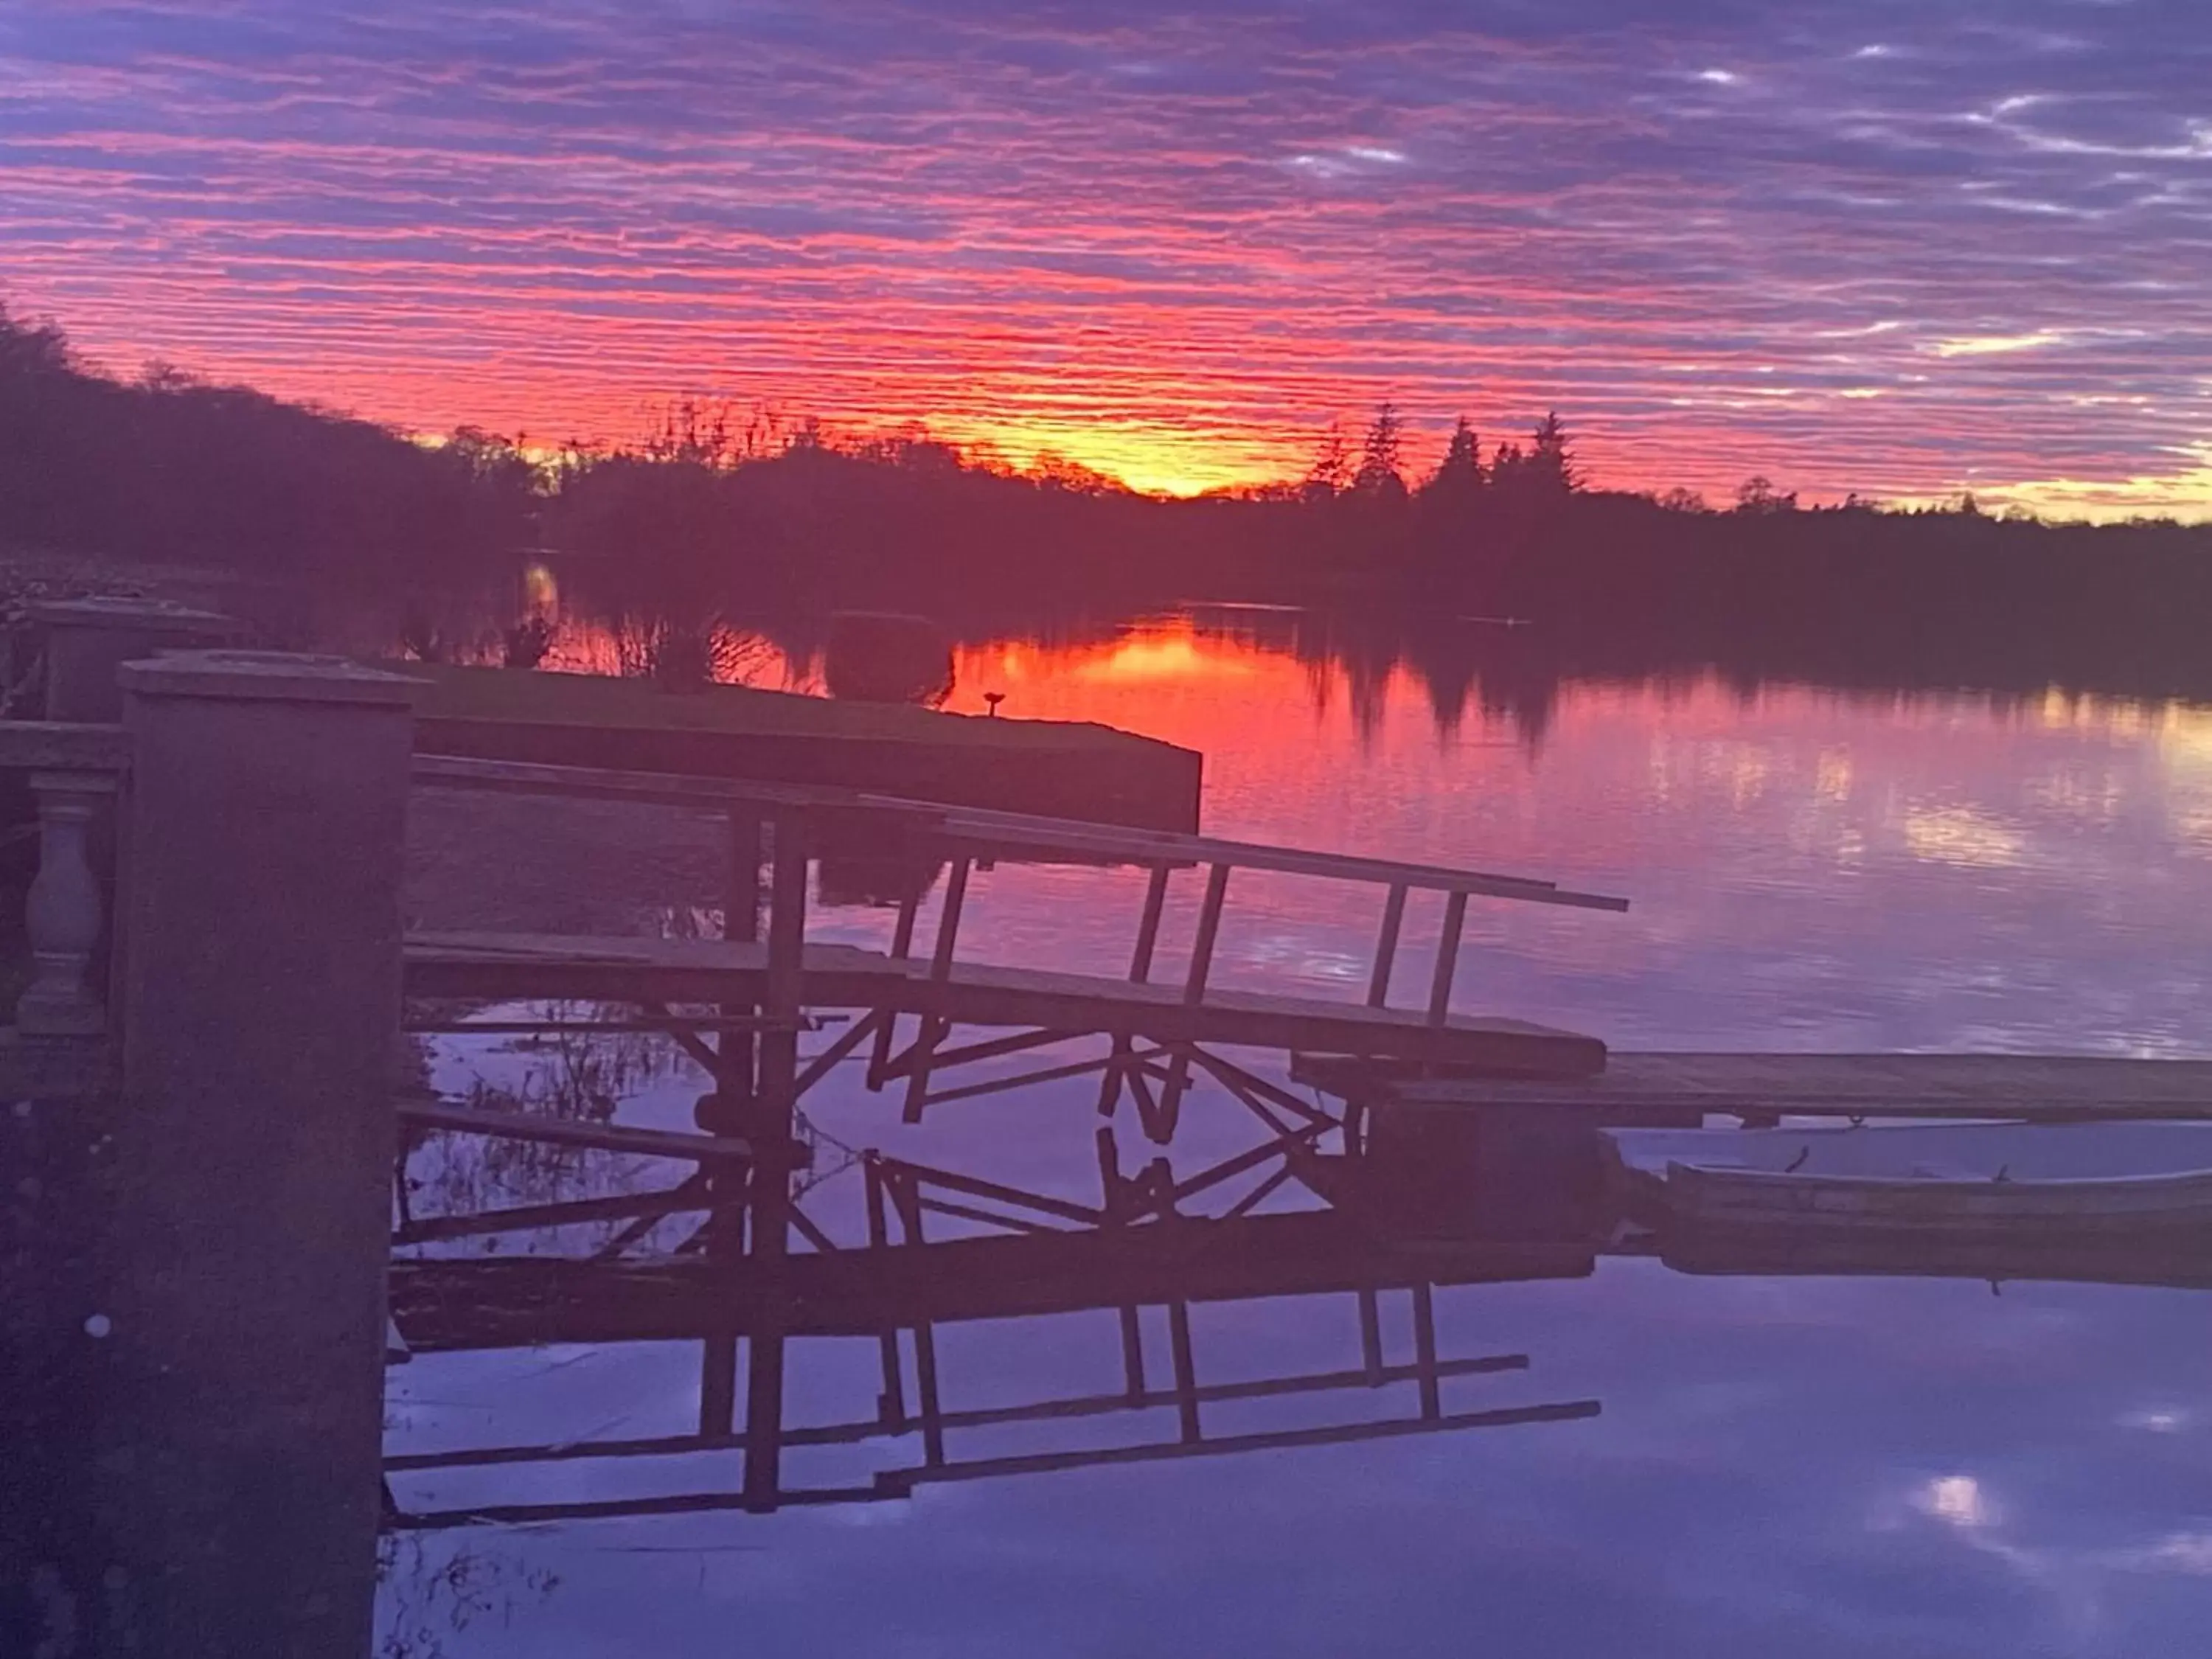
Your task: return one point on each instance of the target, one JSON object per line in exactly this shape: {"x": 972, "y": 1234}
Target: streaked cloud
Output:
{"x": 1170, "y": 241}
{"x": 1987, "y": 345}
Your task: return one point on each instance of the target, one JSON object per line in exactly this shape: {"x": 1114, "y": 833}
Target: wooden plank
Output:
{"x": 1344, "y": 1434}
{"x": 560, "y": 1132}
{"x": 2074, "y": 1087}
{"x": 659, "y": 788}
{"x": 976, "y": 994}
{"x": 988, "y": 994}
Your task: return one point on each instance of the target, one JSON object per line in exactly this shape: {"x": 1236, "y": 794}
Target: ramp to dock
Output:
{"x": 733, "y": 973}
{"x": 1158, "y": 1035}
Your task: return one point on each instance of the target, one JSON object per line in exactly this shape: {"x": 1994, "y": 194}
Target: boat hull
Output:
{"x": 2124, "y": 1205}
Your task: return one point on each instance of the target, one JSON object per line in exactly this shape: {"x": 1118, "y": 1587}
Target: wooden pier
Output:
{"x": 1672, "y": 1089}
{"x": 1182, "y": 1026}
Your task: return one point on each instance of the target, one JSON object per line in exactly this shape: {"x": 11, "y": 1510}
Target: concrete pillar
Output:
{"x": 87, "y": 640}
{"x": 241, "y": 1398}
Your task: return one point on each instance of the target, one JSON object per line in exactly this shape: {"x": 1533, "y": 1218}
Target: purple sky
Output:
{"x": 1900, "y": 248}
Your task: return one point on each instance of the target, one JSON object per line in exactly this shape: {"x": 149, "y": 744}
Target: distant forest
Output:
{"x": 714, "y": 507}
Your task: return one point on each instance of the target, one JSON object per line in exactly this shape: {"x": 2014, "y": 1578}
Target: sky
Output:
{"x": 1903, "y": 249}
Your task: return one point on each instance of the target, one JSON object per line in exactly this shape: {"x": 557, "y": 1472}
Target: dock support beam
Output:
{"x": 239, "y": 1386}
{"x": 775, "y": 1099}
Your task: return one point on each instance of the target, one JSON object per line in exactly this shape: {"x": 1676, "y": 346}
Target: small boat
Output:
{"x": 1915, "y": 1179}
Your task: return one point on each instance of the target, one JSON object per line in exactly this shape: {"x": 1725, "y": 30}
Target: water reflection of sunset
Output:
{"x": 1808, "y": 865}
{"x": 1164, "y": 651}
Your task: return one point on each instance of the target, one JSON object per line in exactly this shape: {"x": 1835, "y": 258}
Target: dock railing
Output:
{"x": 966, "y": 838}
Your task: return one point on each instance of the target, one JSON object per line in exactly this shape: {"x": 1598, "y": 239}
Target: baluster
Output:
{"x": 1386, "y": 947}
{"x": 1447, "y": 959}
{"x": 62, "y": 915}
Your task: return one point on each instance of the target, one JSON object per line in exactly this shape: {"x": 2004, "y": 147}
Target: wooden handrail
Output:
{"x": 982, "y": 830}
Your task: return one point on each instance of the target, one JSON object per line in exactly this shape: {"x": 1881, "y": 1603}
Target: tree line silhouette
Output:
{"x": 715, "y": 508}
{"x": 167, "y": 468}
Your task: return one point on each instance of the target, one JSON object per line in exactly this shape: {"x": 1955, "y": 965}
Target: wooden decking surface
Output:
{"x": 1871, "y": 1085}
{"x": 840, "y": 977}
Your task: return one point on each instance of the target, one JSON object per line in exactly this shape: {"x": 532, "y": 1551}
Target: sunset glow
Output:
{"x": 1887, "y": 248}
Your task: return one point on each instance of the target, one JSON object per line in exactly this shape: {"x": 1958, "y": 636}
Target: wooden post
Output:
{"x": 1194, "y": 992}
{"x": 1148, "y": 925}
{"x": 718, "y": 1382}
{"x": 1140, "y": 970}
{"x": 775, "y": 1097}
{"x": 784, "y": 992}
{"x": 1440, "y": 987}
{"x": 741, "y": 897}
{"x": 933, "y": 1407}
{"x": 901, "y": 947}
{"x": 940, "y": 971}
{"x": 1112, "y": 1209}
{"x": 1370, "y": 1337}
{"x": 1424, "y": 1351}
{"x": 907, "y": 1201}
{"x": 1209, "y": 930}
{"x": 729, "y": 1109}
{"x": 890, "y": 1403}
{"x": 1186, "y": 1371}
{"x": 62, "y": 916}
{"x": 1386, "y": 947}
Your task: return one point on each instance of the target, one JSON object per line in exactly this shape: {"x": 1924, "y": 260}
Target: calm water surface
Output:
{"x": 1809, "y": 1466}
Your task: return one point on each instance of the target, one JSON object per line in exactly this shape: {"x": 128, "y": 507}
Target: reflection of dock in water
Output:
{"x": 902, "y": 1294}
{"x": 1464, "y": 1151}
{"x": 761, "y": 1273}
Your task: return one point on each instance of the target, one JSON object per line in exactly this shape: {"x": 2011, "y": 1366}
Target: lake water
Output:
{"x": 1820, "y": 1466}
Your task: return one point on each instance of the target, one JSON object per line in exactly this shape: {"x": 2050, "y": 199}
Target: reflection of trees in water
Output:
{"x": 1503, "y": 670}
{"x": 680, "y": 651}
{"x": 574, "y": 1076}
{"x": 570, "y": 1075}
{"x": 430, "y": 1588}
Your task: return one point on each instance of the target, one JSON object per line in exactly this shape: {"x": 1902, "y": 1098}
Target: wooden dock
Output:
{"x": 1159, "y": 1035}
{"x": 1671, "y": 1088}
